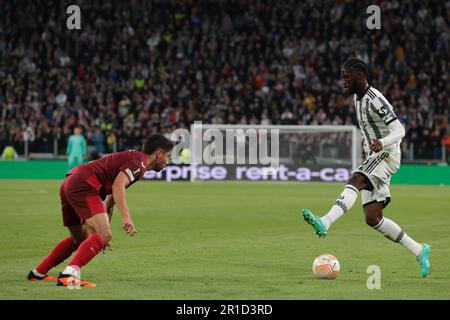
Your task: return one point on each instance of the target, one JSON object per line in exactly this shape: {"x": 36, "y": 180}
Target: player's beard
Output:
{"x": 348, "y": 90}
{"x": 159, "y": 167}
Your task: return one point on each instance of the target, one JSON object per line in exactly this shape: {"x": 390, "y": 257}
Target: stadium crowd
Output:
{"x": 138, "y": 67}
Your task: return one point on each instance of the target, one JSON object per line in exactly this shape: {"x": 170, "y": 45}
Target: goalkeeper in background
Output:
{"x": 76, "y": 148}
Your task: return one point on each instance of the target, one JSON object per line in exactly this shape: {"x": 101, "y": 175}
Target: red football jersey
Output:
{"x": 106, "y": 169}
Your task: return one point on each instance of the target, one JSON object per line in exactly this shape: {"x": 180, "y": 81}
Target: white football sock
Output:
{"x": 36, "y": 273}
{"x": 72, "y": 271}
{"x": 393, "y": 232}
{"x": 345, "y": 201}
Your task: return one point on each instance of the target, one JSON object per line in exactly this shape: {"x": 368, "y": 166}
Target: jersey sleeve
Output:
{"x": 383, "y": 109}
{"x": 134, "y": 168}
{"x": 397, "y": 133}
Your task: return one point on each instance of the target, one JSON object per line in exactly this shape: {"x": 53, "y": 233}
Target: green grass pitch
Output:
{"x": 228, "y": 241}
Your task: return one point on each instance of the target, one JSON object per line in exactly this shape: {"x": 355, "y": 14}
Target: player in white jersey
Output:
{"x": 382, "y": 133}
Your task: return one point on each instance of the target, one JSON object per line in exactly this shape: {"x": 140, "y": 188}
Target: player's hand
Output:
{"x": 108, "y": 245}
{"x": 129, "y": 227}
{"x": 376, "y": 146}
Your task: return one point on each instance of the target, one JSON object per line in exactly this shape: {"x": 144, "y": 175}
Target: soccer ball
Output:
{"x": 326, "y": 266}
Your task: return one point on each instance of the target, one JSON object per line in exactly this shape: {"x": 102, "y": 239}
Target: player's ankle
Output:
{"x": 326, "y": 222}
{"x": 38, "y": 274}
{"x": 73, "y": 271}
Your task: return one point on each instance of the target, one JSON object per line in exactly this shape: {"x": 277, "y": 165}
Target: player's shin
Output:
{"x": 393, "y": 232}
{"x": 88, "y": 249}
{"x": 345, "y": 201}
{"x": 61, "y": 252}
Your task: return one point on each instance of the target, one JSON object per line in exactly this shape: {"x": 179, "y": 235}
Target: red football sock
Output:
{"x": 87, "y": 251}
{"x": 61, "y": 252}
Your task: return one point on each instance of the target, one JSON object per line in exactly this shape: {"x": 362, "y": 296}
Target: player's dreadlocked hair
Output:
{"x": 355, "y": 64}
{"x": 155, "y": 142}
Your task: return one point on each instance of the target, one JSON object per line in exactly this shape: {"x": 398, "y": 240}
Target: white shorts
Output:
{"x": 379, "y": 168}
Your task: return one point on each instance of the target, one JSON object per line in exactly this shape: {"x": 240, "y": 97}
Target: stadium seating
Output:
{"x": 138, "y": 67}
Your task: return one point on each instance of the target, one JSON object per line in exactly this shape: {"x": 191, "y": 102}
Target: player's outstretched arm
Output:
{"x": 118, "y": 192}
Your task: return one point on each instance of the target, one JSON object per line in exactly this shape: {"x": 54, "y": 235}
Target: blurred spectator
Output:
{"x": 9, "y": 153}
{"x": 98, "y": 140}
{"x": 111, "y": 142}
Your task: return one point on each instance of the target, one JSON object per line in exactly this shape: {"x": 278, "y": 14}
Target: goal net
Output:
{"x": 273, "y": 153}
{"x": 262, "y": 153}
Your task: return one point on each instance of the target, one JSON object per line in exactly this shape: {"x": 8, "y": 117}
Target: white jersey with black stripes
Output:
{"x": 374, "y": 115}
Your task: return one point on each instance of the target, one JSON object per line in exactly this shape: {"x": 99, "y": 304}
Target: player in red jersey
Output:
{"x": 88, "y": 195}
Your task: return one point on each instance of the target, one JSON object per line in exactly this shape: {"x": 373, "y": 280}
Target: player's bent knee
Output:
{"x": 106, "y": 235}
{"x": 357, "y": 180}
{"x": 76, "y": 235}
{"x": 77, "y": 241}
{"x": 373, "y": 216}
{"x": 373, "y": 221}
